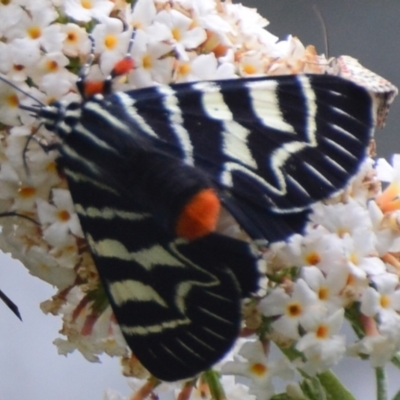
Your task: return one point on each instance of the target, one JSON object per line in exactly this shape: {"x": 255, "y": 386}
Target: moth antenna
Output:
{"x": 125, "y": 65}
{"x": 89, "y": 62}
{"x": 84, "y": 71}
{"x": 24, "y": 160}
{"x": 89, "y": 88}
{"x": 8, "y": 82}
{"x": 321, "y": 20}
{"x": 131, "y": 40}
{"x": 15, "y": 214}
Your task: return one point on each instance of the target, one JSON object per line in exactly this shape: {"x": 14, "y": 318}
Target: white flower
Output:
{"x": 293, "y": 310}
{"x": 318, "y": 247}
{"x": 175, "y": 28}
{"x": 384, "y": 301}
{"x": 388, "y": 172}
{"x": 5, "y": 58}
{"x": 235, "y": 390}
{"x": 248, "y": 18}
{"x": 85, "y": 346}
{"x": 23, "y": 192}
{"x": 342, "y": 218}
{"x": 88, "y": 332}
{"x": 111, "y": 41}
{"x": 54, "y": 64}
{"x": 23, "y": 55}
{"x": 60, "y": 219}
{"x": 203, "y": 67}
{"x": 84, "y": 11}
{"x": 68, "y": 255}
{"x": 251, "y": 27}
{"x": 379, "y": 346}
{"x": 387, "y": 238}
{"x": 10, "y": 16}
{"x": 39, "y": 163}
{"x": 252, "y": 64}
{"x": 46, "y": 267}
{"x": 76, "y": 41}
{"x": 291, "y": 48}
{"x": 38, "y": 27}
{"x": 9, "y": 102}
{"x": 142, "y": 15}
{"x": 321, "y": 357}
{"x": 328, "y": 287}
{"x": 152, "y": 64}
{"x": 57, "y": 86}
{"x": 321, "y": 345}
{"x": 205, "y": 15}
{"x": 259, "y": 370}
{"x": 361, "y": 260}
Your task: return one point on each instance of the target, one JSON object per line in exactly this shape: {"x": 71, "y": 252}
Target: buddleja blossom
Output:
{"x": 345, "y": 265}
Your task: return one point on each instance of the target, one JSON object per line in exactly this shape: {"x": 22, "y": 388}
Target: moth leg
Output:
{"x": 10, "y": 304}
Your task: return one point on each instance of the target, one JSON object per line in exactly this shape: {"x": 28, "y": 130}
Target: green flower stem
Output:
{"x": 397, "y": 396}
{"x": 396, "y": 360}
{"x": 213, "y": 381}
{"x": 381, "y": 384}
{"x": 334, "y": 389}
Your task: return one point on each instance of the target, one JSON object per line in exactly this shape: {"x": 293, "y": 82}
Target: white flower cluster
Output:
{"x": 346, "y": 262}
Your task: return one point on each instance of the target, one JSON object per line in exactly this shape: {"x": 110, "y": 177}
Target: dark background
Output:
{"x": 364, "y": 29}
{"x": 370, "y": 32}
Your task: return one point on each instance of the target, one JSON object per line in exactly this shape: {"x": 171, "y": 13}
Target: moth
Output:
{"x": 150, "y": 169}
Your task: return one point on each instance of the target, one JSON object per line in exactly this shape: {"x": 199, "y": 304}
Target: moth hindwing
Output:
{"x": 148, "y": 170}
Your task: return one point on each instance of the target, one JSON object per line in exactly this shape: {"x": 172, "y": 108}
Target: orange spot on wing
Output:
{"x": 200, "y": 215}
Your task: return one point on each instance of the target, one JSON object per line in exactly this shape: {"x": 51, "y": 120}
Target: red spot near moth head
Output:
{"x": 93, "y": 87}
{"x": 200, "y": 215}
{"x": 123, "y": 67}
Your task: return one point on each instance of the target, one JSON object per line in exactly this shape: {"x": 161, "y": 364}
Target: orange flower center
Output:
{"x": 12, "y": 100}
{"x": 110, "y": 42}
{"x": 176, "y": 34}
{"x": 34, "y": 32}
{"x": 147, "y": 62}
{"x": 184, "y": 69}
{"x": 86, "y": 4}
{"x": 354, "y": 258}
{"x": 294, "y": 309}
{"x": 26, "y": 192}
{"x": 249, "y": 69}
{"x": 258, "y": 369}
{"x": 322, "y": 332}
{"x": 385, "y": 301}
{"x": 72, "y": 37}
{"x": 342, "y": 231}
{"x": 323, "y": 293}
{"x": 51, "y": 166}
{"x": 63, "y": 215}
{"x": 52, "y": 66}
{"x": 313, "y": 258}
